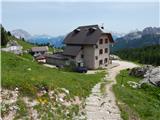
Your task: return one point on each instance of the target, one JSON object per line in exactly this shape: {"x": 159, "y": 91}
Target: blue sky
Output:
{"x": 59, "y": 18}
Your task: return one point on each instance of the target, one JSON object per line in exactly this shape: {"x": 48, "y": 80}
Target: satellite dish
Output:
{"x": 102, "y": 27}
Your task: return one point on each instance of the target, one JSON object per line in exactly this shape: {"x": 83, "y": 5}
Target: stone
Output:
{"x": 65, "y": 90}
{"x": 29, "y": 69}
{"x": 140, "y": 71}
{"x": 61, "y": 100}
{"x": 152, "y": 76}
{"x": 16, "y": 89}
{"x": 133, "y": 84}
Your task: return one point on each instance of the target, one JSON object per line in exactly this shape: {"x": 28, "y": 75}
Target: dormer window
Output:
{"x": 77, "y": 30}
{"x": 92, "y": 29}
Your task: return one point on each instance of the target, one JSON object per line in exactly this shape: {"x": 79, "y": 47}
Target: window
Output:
{"x": 106, "y": 50}
{"x": 72, "y": 57}
{"x": 82, "y": 48}
{"x": 96, "y": 57}
{"x": 106, "y": 40}
{"x": 82, "y": 56}
{"x": 100, "y": 62}
{"x": 105, "y": 60}
{"x": 101, "y": 51}
{"x": 101, "y": 41}
{"x": 79, "y": 64}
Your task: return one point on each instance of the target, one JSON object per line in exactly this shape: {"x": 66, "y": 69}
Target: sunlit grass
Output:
{"x": 141, "y": 102}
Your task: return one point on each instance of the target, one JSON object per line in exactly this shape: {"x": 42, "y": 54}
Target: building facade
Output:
{"x": 88, "y": 46}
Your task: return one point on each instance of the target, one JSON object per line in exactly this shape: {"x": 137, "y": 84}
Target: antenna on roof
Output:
{"x": 102, "y": 26}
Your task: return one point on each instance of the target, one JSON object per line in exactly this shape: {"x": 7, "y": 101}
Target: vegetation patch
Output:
{"x": 144, "y": 55}
{"x": 22, "y": 111}
{"x": 137, "y": 102}
{"x": 103, "y": 87}
{"x": 29, "y": 76}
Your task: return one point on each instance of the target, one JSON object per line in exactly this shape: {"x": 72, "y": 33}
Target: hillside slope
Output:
{"x": 144, "y": 55}
{"x": 33, "y": 91}
{"x": 135, "y": 102}
{"x": 28, "y": 75}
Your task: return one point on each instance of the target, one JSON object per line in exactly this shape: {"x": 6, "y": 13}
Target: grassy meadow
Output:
{"x": 29, "y": 76}
{"x": 135, "y": 103}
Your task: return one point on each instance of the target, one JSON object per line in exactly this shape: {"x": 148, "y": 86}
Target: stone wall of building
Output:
{"x": 89, "y": 56}
{"x": 56, "y": 62}
{"x": 103, "y": 55}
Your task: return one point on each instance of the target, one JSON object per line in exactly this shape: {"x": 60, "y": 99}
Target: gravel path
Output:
{"x": 103, "y": 107}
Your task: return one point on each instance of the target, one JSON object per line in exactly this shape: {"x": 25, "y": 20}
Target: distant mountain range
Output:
{"x": 44, "y": 39}
{"x": 147, "y": 37}
{"x": 116, "y": 35}
{"x": 39, "y": 39}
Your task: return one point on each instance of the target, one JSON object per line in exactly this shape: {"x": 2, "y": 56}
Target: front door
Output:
{"x": 79, "y": 64}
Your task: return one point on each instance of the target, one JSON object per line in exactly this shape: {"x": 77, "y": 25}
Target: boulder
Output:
{"x": 153, "y": 76}
{"x": 140, "y": 71}
{"x": 150, "y": 74}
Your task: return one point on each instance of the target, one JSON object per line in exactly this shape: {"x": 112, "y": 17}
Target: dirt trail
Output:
{"x": 103, "y": 107}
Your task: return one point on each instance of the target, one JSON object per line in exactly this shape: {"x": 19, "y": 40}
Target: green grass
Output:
{"x": 27, "y": 57}
{"x": 16, "y": 73}
{"x": 22, "y": 111}
{"x": 103, "y": 87}
{"x": 143, "y": 103}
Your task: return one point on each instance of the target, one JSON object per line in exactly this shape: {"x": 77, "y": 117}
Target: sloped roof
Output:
{"x": 71, "y": 50}
{"x": 57, "y": 55}
{"x": 39, "y": 49}
{"x": 85, "y": 35}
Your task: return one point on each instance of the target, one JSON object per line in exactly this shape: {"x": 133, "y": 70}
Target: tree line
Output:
{"x": 144, "y": 55}
{"x": 4, "y": 36}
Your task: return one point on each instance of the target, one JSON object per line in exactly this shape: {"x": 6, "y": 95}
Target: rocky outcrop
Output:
{"x": 19, "y": 33}
{"x": 149, "y": 73}
{"x": 153, "y": 76}
{"x": 151, "y": 30}
{"x": 140, "y": 71}
{"x": 58, "y": 103}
